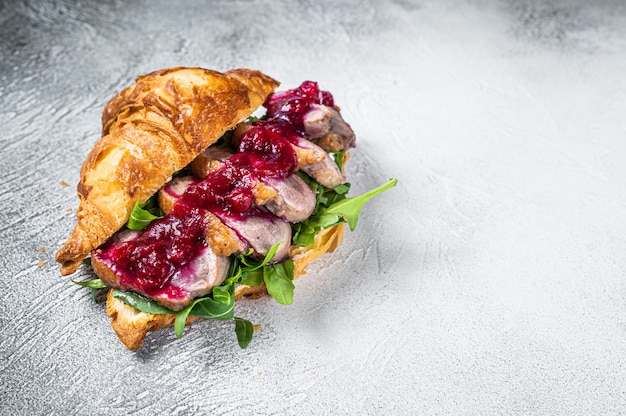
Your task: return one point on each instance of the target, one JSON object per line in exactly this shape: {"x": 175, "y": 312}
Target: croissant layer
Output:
{"x": 151, "y": 130}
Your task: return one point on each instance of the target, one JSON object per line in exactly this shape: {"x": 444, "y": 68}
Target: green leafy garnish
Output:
{"x": 246, "y": 270}
{"x": 143, "y": 214}
{"x": 252, "y": 278}
{"x": 351, "y": 207}
{"x": 338, "y": 193}
{"x": 303, "y": 233}
{"x": 338, "y": 158}
{"x": 252, "y": 119}
{"x": 93, "y": 283}
{"x": 218, "y": 306}
{"x": 278, "y": 279}
{"x": 333, "y": 208}
{"x": 141, "y": 303}
{"x": 244, "y": 330}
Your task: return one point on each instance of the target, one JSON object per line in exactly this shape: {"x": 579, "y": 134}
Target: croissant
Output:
{"x": 151, "y": 130}
{"x": 242, "y": 216}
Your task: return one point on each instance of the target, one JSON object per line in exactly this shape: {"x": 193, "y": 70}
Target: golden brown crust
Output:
{"x": 131, "y": 325}
{"x": 222, "y": 239}
{"x": 202, "y": 165}
{"x": 151, "y": 130}
{"x": 259, "y": 84}
{"x": 326, "y": 241}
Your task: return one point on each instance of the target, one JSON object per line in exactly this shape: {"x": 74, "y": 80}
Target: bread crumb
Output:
{"x": 42, "y": 249}
{"x": 68, "y": 209}
{"x": 63, "y": 183}
{"x": 41, "y": 263}
{"x": 256, "y": 327}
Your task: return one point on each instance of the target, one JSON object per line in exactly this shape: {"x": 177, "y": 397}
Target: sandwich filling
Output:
{"x": 243, "y": 195}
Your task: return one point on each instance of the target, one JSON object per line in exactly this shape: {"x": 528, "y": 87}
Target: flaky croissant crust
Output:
{"x": 150, "y": 130}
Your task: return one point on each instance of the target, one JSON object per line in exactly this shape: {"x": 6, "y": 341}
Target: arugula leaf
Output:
{"x": 252, "y": 278}
{"x": 212, "y": 309}
{"x": 221, "y": 294}
{"x": 220, "y": 306}
{"x": 337, "y": 193}
{"x": 303, "y": 234}
{"x": 141, "y": 303}
{"x": 252, "y": 119}
{"x": 245, "y": 269}
{"x": 244, "y": 330}
{"x": 143, "y": 214}
{"x": 351, "y": 207}
{"x": 181, "y": 319}
{"x": 338, "y": 158}
{"x": 332, "y": 208}
{"x": 268, "y": 257}
{"x": 92, "y": 283}
{"x": 279, "y": 281}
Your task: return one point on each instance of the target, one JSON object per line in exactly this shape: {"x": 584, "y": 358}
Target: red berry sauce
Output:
{"x": 167, "y": 245}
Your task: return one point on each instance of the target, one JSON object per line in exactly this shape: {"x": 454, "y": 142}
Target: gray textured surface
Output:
{"x": 490, "y": 281}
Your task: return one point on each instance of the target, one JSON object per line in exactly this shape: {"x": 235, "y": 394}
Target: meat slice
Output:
{"x": 198, "y": 278}
{"x": 325, "y": 126}
{"x": 262, "y": 232}
{"x": 228, "y": 236}
{"x": 290, "y": 198}
{"x": 222, "y": 239}
{"x": 212, "y": 159}
{"x": 209, "y": 160}
{"x": 317, "y": 121}
{"x": 342, "y": 129}
{"x": 306, "y": 155}
{"x": 194, "y": 279}
{"x": 325, "y": 172}
{"x": 294, "y": 200}
{"x": 173, "y": 190}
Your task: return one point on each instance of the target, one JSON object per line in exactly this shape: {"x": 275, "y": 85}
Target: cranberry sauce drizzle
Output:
{"x": 148, "y": 261}
{"x": 290, "y": 106}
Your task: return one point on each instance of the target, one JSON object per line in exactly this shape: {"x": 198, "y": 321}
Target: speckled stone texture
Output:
{"x": 491, "y": 280}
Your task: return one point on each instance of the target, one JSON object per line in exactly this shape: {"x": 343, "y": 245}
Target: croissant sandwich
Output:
{"x": 188, "y": 202}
